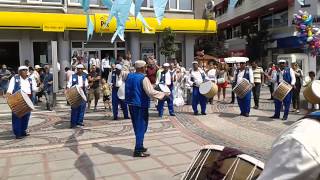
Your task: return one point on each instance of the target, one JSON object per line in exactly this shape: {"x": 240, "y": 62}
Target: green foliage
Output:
{"x": 168, "y": 47}
{"x": 212, "y": 46}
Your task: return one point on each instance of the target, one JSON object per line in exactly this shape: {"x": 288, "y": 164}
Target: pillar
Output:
{"x": 189, "y": 50}
{"x": 63, "y": 55}
{"x": 26, "y": 48}
{"x": 134, "y": 45}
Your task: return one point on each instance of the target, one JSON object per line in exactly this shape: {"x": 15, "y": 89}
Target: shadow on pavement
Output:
{"x": 85, "y": 165}
{"x": 114, "y": 150}
{"x": 228, "y": 115}
{"x": 73, "y": 139}
{"x": 7, "y": 135}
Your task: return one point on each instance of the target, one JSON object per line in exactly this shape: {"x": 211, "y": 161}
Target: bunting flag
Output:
{"x": 301, "y": 2}
{"x": 107, "y": 3}
{"x": 121, "y": 10}
{"x": 90, "y": 28}
{"x": 137, "y": 9}
{"x": 232, "y": 3}
{"x": 140, "y": 18}
{"x": 159, "y": 8}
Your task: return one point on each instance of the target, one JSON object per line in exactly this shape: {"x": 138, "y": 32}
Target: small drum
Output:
{"x": 208, "y": 89}
{"x": 121, "y": 91}
{"x": 212, "y": 163}
{"x": 242, "y": 88}
{"x": 20, "y": 103}
{"x": 312, "y": 92}
{"x": 163, "y": 88}
{"x": 75, "y": 96}
{"x": 282, "y": 91}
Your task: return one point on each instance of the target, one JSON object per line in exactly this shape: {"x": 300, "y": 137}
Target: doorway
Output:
{"x": 9, "y": 55}
{"x": 40, "y": 53}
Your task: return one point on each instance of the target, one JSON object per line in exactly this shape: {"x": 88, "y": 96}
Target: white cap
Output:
{"x": 37, "y": 67}
{"x": 139, "y": 64}
{"x": 80, "y": 66}
{"x": 166, "y": 65}
{"x": 23, "y": 68}
{"x": 195, "y": 62}
{"x": 282, "y": 61}
{"x": 119, "y": 66}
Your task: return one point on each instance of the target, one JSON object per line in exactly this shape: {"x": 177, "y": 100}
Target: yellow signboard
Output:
{"x": 53, "y": 27}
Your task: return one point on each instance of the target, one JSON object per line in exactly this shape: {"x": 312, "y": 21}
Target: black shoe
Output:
{"x": 26, "y": 134}
{"x": 232, "y": 102}
{"x": 246, "y": 115}
{"x": 80, "y": 124}
{"x": 204, "y": 113}
{"x": 73, "y": 127}
{"x": 173, "y": 114}
{"x": 115, "y": 119}
{"x": 126, "y": 118}
{"x": 274, "y": 117}
{"x": 140, "y": 154}
{"x": 285, "y": 118}
{"x": 196, "y": 113}
{"x": 256, "y": 107}
{"x": 19, "y": 137}
{"x": 144, "y": 149}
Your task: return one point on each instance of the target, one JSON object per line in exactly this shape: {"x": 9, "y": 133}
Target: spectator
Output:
{"x": 212, "y": 75}
{"x": 48, "y": 87}
{"x": 27, "y": 63}
{"x": 269, "y": 73}
{"x": 106, "y": 91}
{"x": 232, "y": 80}
{"x": 222, "y": 79}
{"x": 5, "y": 76}
{"x": 94, "y": 84}
{"x": 312, "y": 76}
{"x": 296, "y": 91}
{"x": 152, "y": 71}
{"x": 105, "y": 67}
{"x": 258, "y": 76}
{"x": 68, "y": 73}
{"x": 127, "y": 62}
{"x": 33, "y": 78}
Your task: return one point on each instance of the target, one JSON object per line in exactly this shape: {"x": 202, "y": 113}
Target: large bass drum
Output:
{"x": 75, "y": 96}
{"x": 242, "y": 88}
{"x": 218, "y": 162}
{"x": 208, "y": 89}
{"x": 282, "y": 91}
{"x": 312, "y": 92}
{"x": 20, "y": 103}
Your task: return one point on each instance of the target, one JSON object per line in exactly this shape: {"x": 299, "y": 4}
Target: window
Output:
{"x": 237, "y": 31}
{"x": 78, "y": 2}
{"x": 266, "y": 22}
{"x": 239, "y": 3}
{"x": 147, "y": 4}
{"x": 280, "y": 19}
{"x": 183, "y": 5}
{"x": 46, "y": 1}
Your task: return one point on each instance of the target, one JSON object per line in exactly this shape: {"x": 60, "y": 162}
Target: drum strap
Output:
{"x": 17, "y": 85}
{"x": 245, "y": 75}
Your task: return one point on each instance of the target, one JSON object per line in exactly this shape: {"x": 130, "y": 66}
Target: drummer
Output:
{"x": 79, "y": 79}
{"x": 28, "y": 85}
{"x": 167, "y": 78}
{"x": 244, "y": 73}
{"x": 283, "y": 74}
{"x": 117, "y": 79}
{"x": 196, "y": 77}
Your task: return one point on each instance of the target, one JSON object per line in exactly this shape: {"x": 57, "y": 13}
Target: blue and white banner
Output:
{"x": 233, "y": 3}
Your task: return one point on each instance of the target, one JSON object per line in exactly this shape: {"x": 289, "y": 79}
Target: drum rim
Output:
{"x": 317, "y": 89}
{"x": 27, "y": 100}
{"x": 81, "y": 92}
{"x": 164, "y": 88}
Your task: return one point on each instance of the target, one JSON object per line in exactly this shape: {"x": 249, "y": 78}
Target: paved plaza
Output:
{"x": 103, "y": 148}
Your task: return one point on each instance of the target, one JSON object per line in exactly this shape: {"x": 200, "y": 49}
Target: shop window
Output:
{"x": 280, "y": 19}
{"x": 178, "y": 53}
{"x": 9, "y": 54}
{"x": 40, "y": 52}
{"x": 147, "y": 49}
{"x": 266, "y": 22}
{"x": 183, "y": 5}
{"x": 147, "y": 4}
{"x": 237, "y": 31}
{"x": 76, "y": 44}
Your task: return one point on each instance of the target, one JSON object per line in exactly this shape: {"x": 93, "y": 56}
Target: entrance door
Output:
{"x": 40, "y": 53}
{"x": 109, "y": 53}
{"x": 9, "y": 54}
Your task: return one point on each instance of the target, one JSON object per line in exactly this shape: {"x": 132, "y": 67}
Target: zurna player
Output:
{"x": 26, "y": 84}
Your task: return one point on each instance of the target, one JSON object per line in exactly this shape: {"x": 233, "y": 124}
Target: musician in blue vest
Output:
{"x": 27, "y": 85}
{"x": 244, "y": 73}
{"x": 79, "y": 79}
{"x": 283, "y": 74}
{"x": 116, "y": 79}
{"x": 137, "y": 92}
{"x": 197, "y": 76}
{"x": 167, "y": 78}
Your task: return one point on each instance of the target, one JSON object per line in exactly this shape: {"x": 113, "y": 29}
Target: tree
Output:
{"x": 168, "y": 47}
{"x": 256, "y": 44}
{"x": 211, "y": 45}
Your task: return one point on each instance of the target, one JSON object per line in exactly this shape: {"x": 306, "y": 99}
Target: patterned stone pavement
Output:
{"x": 103, "y": 148}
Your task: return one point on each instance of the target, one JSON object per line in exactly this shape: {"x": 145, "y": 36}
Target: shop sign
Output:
{"x": 53, "y": 27}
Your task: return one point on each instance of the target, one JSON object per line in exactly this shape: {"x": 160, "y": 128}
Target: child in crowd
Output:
{"x": 312, "y": 107}
{"x": 106, "y": 91}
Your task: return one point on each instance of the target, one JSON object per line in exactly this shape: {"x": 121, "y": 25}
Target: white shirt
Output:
{"x": 95, "y": 62}
{"x": 197, "y": 77}
{"x": 167, "y": 79}
{"x": 25, "y": 85}
{"x": 241, "y": 74}
{"x": 292, "y": 74}
{"x": 295, "y": 153}
{"x": 212, "y": 75}
{"x": 80, "y": 82}
{"x": 105, "y": 63}
{"x": 119, "y": 78}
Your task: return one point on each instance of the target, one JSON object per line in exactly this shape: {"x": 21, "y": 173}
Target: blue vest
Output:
{"x": 17, "y": 84}
{"x": 286, "y": 75}
{"x": 75, "y": 80}
{"x": 134, "y": 92}
{"x": 114, "y": 80}
{"x": 245, "y": 75}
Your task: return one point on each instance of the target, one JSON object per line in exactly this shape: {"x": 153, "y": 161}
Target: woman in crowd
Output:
{"x": 296, "y": 91}
{"x": 222, "y": 72}
{"x": 212, "y": 75}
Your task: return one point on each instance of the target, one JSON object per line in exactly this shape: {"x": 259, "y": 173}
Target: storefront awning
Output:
{"x": 52, "y": 22}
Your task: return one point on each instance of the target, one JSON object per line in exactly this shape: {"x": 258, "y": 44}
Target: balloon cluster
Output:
{"x": 308, "y": 34}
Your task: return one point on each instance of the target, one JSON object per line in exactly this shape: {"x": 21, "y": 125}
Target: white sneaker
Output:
{"x": 297, "y": 111}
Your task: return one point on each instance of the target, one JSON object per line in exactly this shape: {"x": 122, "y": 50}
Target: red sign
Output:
{"x": 237, "y": 53}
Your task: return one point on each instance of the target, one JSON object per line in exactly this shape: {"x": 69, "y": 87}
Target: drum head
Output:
{"x": 121, "y": 92}
{"x": 164, "y": 88}
{"x": 205, "y": 87}
{"x": 315, "y": 86}
{"x": 80, "y": 91}
{"x": 27, "y": 100}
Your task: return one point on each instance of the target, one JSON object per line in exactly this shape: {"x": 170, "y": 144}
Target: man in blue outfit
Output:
{"x": 117, "y": 80}
{"x": 197, "y": 76}
{"x": 244, "y": 73}
{"x": 27, "y": 85}
{"x": 79, "y": 79}
{"x": 48, "y": 87}
{"x": 283, "y": 74}
{"x": 137, "y": 92}
{"x": 166, "y": 78}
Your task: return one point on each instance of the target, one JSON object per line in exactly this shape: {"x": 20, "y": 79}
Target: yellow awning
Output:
{"x": 52, "y": 22}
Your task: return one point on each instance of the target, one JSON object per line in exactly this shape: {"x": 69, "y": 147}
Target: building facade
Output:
{"x": 251, "y": 17}
{"x": 27, "y": 28}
